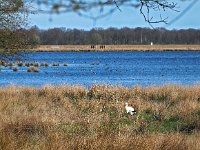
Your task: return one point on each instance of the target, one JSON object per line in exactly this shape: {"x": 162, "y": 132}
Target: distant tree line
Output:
{"x": 63, "y": 36}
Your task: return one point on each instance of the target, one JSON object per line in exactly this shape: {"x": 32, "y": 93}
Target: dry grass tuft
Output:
{"x": 33, "y": 69}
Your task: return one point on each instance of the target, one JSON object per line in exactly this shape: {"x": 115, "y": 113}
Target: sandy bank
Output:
{"x": 115, "y": 47}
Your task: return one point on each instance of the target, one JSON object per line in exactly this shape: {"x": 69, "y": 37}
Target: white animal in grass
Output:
{"x": 129, "y": 109}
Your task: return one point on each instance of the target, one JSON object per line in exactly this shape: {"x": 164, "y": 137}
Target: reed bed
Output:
{"x": 33, "y": 69}
{"x": 32, "y": 66}
{"x": 75, "y": 117}
{"x": 55, "y": 64}
{"x": 15, "y": 69}
{"x": 20, "y": 64}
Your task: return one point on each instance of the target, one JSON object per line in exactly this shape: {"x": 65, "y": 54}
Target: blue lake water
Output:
{"x": 120, "y": 68}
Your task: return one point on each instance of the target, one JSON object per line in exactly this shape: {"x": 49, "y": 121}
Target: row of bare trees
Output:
{"x": 62, "y": 36}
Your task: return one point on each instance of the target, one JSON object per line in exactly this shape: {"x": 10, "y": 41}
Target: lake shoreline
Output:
{"x": 65, "y": 48}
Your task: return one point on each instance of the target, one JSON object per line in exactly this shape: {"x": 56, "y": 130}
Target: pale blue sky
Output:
{"x": 128, "y": 17}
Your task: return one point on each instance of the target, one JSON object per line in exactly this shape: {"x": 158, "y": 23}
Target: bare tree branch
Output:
{"x": 106, "y": 7}
{"x": 158, "y": 6}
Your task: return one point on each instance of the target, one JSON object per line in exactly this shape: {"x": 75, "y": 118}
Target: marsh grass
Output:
{"x": 27, "y": 64}
{"x": 36, "y": 64}
{"x": 15, "y": 69}
{"x": 2, "y": 63}
{"x": 55, "y": 64}
{"x": 20, "y": 64}
{"x": 46, "y": 64}
{"x": 10, "y": 64}
{"x": 75, "y": 117}
{"x": 33, "y": 69}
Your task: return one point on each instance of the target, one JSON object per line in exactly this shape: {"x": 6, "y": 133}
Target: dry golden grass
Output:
{"x": 74, "y": 117}
{"x": 116, "y": 47}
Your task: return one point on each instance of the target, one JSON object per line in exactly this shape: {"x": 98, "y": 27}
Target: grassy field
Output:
{"x": 115, "y": 47}
{"x": 74, "y": 117}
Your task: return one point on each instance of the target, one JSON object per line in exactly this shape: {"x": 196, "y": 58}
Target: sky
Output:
{"x": 127, "y": 17}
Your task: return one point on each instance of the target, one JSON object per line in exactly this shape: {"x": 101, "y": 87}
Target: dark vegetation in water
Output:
{"x": 55, "y": 64}
{"x": 15, "y": 69}
{"x": 33, "y": 69}
{"x": 20, "y": 63}
{"x": 32, "y": 66}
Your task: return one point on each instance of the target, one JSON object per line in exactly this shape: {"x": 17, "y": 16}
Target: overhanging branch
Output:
{"x": 83, "y": 7}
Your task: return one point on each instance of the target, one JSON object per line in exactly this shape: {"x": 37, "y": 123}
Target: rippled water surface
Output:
{"x": 121, "y": 68}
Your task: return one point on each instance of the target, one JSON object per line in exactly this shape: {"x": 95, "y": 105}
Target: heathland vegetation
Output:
{"x": 76, "y": 117}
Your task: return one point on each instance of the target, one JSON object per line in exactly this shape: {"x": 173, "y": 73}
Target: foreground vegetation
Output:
{"x": 74, "y": 117}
